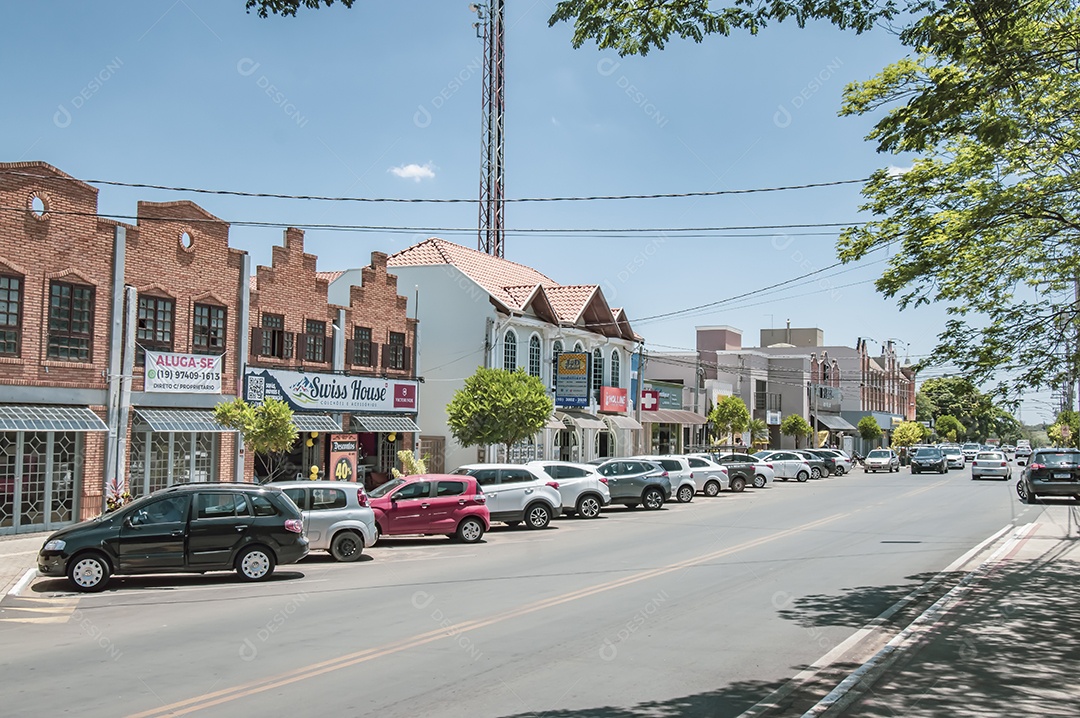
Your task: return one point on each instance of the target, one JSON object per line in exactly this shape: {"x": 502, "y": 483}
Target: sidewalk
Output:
{"x": 18, "y": 554}
{"x": 1009, "y": 647}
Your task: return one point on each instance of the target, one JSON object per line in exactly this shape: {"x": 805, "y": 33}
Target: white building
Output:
{"x": 478, "y": 310}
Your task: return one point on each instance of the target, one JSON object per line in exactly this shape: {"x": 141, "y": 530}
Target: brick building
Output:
{"x": 117, "y": 340}
{"x": 346, "y": 369}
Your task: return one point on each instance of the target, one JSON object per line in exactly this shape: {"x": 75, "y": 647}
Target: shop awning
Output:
{"x": 621, "y": 421}
{"x": 385, "y": 423}
{"x": 180, "y": 420}
{"x": 834, "y": 422}
{"x": 582, "y": 419}
{"x": 553, "y": 423}
{"x": 49, "y": 418}
{"x": 673, "y": 416}
{"x": 315, "y": 422}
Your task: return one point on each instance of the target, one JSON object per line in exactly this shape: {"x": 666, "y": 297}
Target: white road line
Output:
{"x": 30, "y": 575}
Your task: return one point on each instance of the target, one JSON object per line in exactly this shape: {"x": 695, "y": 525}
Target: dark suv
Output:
{"x": 1051, "y": 472}
{"x": 189, "y": 528}
{"x": 929, "y": 458}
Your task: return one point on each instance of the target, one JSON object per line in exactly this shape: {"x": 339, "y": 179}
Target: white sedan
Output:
{"x": 786, "y": 464}
{"x": 991, "y": 463}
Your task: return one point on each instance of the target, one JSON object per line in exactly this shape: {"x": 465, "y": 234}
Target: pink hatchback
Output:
{"x": 431, "y": 504}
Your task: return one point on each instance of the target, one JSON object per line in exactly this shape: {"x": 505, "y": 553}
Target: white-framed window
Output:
{"x": 534, "y": 355}
{"x": 597, "y": 370}
{"x": 615, "y": 367}
{"x": 510, "y": 350}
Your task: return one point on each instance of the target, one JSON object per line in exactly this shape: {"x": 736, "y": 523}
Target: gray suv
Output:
{"x": 337, "y": 517}
{"x": 634, "y": 482}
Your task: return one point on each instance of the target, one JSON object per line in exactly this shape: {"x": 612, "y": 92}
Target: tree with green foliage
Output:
{"x": 1065, "y": 431}
{"x": 795, "y": 425}
{"x": 924, "y": 408}
{"x": 908, "y": 433}
{"x": 497, "y": 406}
{"x": 960, "y": 398}
{"x": 729, "y": 417}
{"x": 948, "y": 427}
{"x": 759, "y": 433}
{"x": 869, "y": 429}
{"x": 266, "y": 429}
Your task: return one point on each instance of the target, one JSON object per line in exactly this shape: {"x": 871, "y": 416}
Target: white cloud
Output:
{"x": 415, "y": 172}
{"x": 895, "y": 171}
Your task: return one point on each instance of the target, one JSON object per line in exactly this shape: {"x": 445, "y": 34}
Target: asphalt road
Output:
{"x": 695, "y": 610}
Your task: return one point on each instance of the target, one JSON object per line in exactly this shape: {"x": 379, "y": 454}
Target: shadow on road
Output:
{"x": 726, "y": 702}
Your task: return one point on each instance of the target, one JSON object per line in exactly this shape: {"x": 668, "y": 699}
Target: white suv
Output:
{"x": 680, "y": 475}
{"x": 584, "y": 491}
{"x": 711, "y": 476}
{"x": 517, "y": 493}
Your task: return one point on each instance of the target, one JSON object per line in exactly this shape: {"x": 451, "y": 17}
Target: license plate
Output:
{"x": 1062, "y": 475}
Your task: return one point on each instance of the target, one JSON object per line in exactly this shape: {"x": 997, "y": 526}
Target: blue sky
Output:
{"x": 383, "y": 100}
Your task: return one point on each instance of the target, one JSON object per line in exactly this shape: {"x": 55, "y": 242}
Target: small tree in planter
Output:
{"x": 869, "y": 429}
{"x": 267, "y": 429}
{"x": 795, "y": 425}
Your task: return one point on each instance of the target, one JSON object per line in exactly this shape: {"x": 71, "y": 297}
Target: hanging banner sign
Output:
{"x": 572, "y": 383}
{"x": 172, "y": 373}
{"x": 311, "y": 391}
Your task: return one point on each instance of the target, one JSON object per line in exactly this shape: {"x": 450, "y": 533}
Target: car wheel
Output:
{"x": 684, "y": 495}
{"x": 88, "y": 572}
{"x": 652, "y": 499}
{"x": 346, "y": 546}
{"x": 255, "y": 564}
{"x": 538, "y": 516}
{"x": 712, "y": 488}
{"x": 588, "y": 507}
{"x": 802, "y": 476}
{"x": 1022, "y": 492}
{"x": 759, "y": 481}
{"x": 815, "y": 473}
{"x": 470, "y": 530}
{"x": 839, "y": 470}
{"x": 739, "y": 483}
{"x": 943, "y": 470}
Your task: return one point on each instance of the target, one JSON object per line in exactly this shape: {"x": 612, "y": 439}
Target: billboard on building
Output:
{"x": 175, "y": 373}
{"x": 572, "y": 385}
{"x": 312, "y": 391}
{"x": 613, "y": 399}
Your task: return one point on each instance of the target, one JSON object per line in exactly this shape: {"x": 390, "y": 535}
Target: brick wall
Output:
{"x": 377, "y": 305}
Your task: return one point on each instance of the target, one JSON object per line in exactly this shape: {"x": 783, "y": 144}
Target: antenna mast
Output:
{"x": 491, "y": 232}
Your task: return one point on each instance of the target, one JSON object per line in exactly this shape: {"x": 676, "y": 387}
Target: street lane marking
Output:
{"x": 209, "y": 700}
{"x": 22, "y": 609}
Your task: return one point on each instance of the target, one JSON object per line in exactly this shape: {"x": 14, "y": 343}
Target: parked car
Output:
{"x": 756, "y": 472}
{"x": 187, "y": 528}
{"x": 818, "y": 465}
{"x": 711, "y": 476}
{"x": 337, "y": 516}
{"x": 836, "y": 461}
{"x": 970, "y": 450}
{"x": 517, "y": 493}
{"x": 680, "y": 475}
{"x": 786, "y": 464}
{"x": 583, "y": 490}
{"x": 432, "y": 504}
{"x": 634, "y": 482}
{"x": 991, "y": 463}
{"x": 955, "y": 458}
{"x": 929, "y": 458}
{"x": 1051, "y": 472}
{"x": 881, "y": 460}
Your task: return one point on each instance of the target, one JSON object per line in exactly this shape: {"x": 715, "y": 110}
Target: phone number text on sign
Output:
{"x": 193, "y": 373}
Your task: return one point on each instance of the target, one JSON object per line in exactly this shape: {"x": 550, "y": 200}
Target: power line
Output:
{"x": 391, "y": 229}
{"x": 403, "y": 200}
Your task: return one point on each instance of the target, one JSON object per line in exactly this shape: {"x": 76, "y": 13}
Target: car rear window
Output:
{"x": 990, "y": 456}
{"x": 325, "y": 499}
{"x": 263, "y": 506}
{"x": 697, "y": 463}
{"x": 670, "y": 464}
{"x": 516, "y": 476}
{"x": 1057, "y": 458}
{"x": 213, "y": 506}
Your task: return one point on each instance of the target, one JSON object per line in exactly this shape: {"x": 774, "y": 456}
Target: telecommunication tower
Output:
{"x": 492, "y": 199}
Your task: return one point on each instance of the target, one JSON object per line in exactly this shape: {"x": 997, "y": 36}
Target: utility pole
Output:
{"x": 491, "y": 232}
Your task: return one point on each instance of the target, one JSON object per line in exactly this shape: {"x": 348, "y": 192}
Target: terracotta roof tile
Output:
{"x": 569, "y": 301}
{"x": 328, "y": 276}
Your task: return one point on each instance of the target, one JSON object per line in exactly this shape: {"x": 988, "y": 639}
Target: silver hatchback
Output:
{"x": 337, "y": 517}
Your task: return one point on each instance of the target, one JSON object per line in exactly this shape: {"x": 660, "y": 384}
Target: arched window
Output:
{"x": 534, "y": 355}
{"x": 510, "y": 350}
{"x": 615, "y": 368}
{"x": 579, "y": 347}
{"x": 597, "y": 371}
